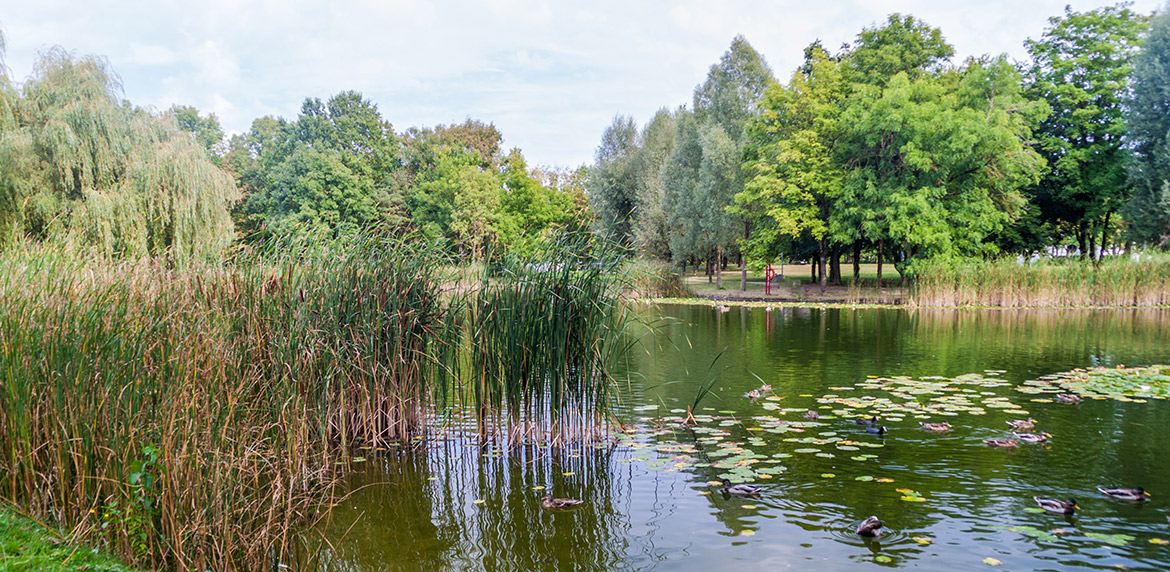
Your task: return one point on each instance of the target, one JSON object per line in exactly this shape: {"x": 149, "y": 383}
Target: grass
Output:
{"x": 1115, "y": 282}
{"x": 26, "y": 545}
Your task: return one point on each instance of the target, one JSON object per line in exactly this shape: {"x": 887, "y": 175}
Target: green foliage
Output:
{"x": 1081, "y": 67}
{"x": 1148, "y": 124}
{"x": 733, "y": 86}
{"x": 207, "y": 130}
{"x": 80, "y": 163}
{"x": 612, "y": 182}
{"x": 903, "y": 44}
{"x": 26, "y": 545}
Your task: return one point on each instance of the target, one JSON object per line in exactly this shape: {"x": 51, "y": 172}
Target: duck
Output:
{"x": 870, "y": 527}
{"x": 742, "y": 489}
{"x": 1134, "y": 494}
{"x": 765, "y": 388}
{"x": 1054, "y": 505}
{"x": 1032, "y": 437}
{"x": 1002, "y": 443}
{"x": 723, "y": 308}
{"x": 1022, "y": 424}
{"x": 753, "y": 394}
{"x": 549, "y": 502}
{"x": 876, "y": 430}
{"x": 812, "y": 415}
{"x": 867, "y": 422}
{"x": 936, "y": 427}
{"x": 1068, "y": 398}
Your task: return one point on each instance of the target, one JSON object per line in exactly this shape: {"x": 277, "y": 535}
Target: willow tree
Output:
{"x": 81, "y": 164}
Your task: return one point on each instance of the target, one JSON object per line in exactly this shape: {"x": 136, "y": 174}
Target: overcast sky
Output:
{"x": 549, "y": 75}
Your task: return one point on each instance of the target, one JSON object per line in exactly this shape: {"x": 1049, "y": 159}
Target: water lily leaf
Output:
{"x": 921, "y": 539}
{"x": 747, "y": 533}
{"x": 704, "y": 492}
{"x": 828, "y": 475}
{"x": 863, "y": 478}
{"x": 992, "y": 561}
{"x": 538, "y": 488}
{"x": 884, "y": 480}
{"x": 807, "y": 450}
{"x": 1034, "y": 509}
{"x": 478, "y": 501}
{"x": 826, "y": 455}
{"x": 1161, "y": 541}
{"x": 913, "y": 499}
{"x": 883, "y": 559}
{"x": 748, "y": 506}
{"x": 1113, "y": 539}
{"x": 569, "y": 474}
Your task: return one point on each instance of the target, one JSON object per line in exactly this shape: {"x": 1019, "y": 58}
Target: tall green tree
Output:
{"x": 206, "y": 130}
{"x": 612, "y": 183}
{"x": 937, "y": 163}
{"x": 1148, "y": 124}
{"x": 1081, "y": 66}
{"x": 794, "y": 172}
{"x": 903, "y": 44}
{"x": 81, "y": 163}
{"x": 656, "y": 141}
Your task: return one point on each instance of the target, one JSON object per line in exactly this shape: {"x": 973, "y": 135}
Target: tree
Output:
{"x": 612, "y": 183}
{"x": 733, "y": 86}
{"x": 937, "y": 163}
{"x": 795, "y": 176}
{"x": 1148, "y": 134}
{"x": 1081, "y": 66}
{"x": 207, "y": 131}
{"x": 81, "y": 163}
{"x": 656, "y": 142}
{"x": 903, "y": 45}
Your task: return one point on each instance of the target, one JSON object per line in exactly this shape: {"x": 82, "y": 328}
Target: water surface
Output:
{"x": 454, "y": 505}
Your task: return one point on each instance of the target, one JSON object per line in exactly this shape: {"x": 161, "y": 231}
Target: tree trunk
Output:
{"x": 823, "y": 255}
{"x": 1092, "y": 245}
{"x": 857, "y": 262}
{"x": 879, "y": 262}
{"x": 1081, "y": 239}
{"x": 719, "y": 267}
{"x": 710, "y": 267}
{"x": 835, "y": 265}
{"x": 1104, "y": 237}
{"x": 814, "y": 268}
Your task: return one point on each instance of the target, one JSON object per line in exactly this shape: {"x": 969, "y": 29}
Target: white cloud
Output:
{"x": 550, "y": 75}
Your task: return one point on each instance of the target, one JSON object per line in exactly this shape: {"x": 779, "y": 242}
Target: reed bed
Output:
{"x": 650, "y": 279}
{"x": 1141, "y": 281}
{"x": 191, "y": 418}
{"x": 541, "y": 336}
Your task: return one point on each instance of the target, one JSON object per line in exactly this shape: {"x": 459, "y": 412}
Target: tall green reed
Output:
{"x": 190, "y": 418}
{"x": 1115, "y": 282}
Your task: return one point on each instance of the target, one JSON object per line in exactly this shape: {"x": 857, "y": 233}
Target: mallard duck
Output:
{"x": 723, "y": 308}
{"x": 765, "y": 388}
{"x": 1053, "y": 505}
{"x": 549, "y": 502}
{"x": 936, "y": 427}
{"x": 867, "y": 422}
{"x": 876, "y": 430}
{"x": 1002, "y": 443}
{"x": 812, "y": 415}
{"x": 742, "y": 489}
{"x": 753, "y": 394}
{"x": 1068, "y": 398}
{"x": 1022, "y": 424}
{"x": 1135, "y": 494}
{"x": 871, "y": 527}
{"x": 1032, "y": 437}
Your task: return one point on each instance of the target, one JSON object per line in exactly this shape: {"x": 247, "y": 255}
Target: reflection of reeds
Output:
{"x": 1119, "y": 282}
{"x": 184, "y": 417}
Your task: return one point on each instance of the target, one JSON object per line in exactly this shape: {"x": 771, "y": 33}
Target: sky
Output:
{"x": 550, "y": 75}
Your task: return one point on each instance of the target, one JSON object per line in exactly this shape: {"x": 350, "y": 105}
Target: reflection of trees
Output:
{"x": 402, "y": 519}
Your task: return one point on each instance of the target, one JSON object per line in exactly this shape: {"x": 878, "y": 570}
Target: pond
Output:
{"x": 948, "y": 501}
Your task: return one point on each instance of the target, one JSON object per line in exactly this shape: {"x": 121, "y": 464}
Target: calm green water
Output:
{"x": 452, "y": 505}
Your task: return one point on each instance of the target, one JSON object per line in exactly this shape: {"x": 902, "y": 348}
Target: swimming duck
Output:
{"x": 876, "y": 430}
{"x": 867, "y": 422}
{"x": 812, "y": 415}
{"x": 766, "y": 387}
{"x": 871, "y": 527}
{"x": 1135, "y": 494}
{"x": 723, "y": 308}
{"x": 1022, "y": 424}
{"x": 549, "y": 502}
{"x": 1053, "y": 505}
{"x": 1002, "y": 443}
{"x": 1068, "y": 398}
{"x": 753, "y": 394}
{"x": 1032, "y": 437}
{"x": 936, "y": 427}
{"x": 742, "y": 489}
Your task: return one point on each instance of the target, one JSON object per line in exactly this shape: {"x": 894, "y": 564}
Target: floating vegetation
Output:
{"x": 1118, "y": 383}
